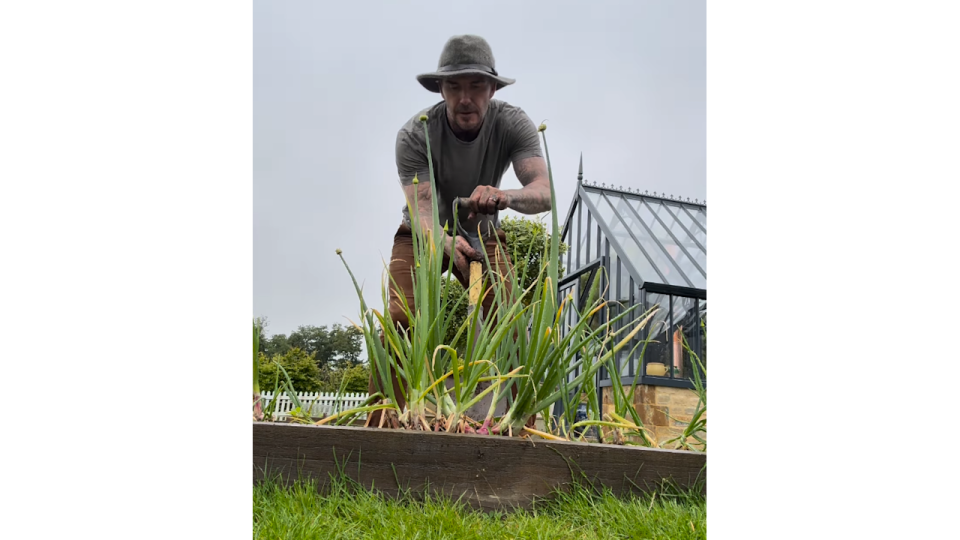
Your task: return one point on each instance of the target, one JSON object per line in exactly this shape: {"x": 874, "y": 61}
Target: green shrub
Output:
{"x": 301, "y": 367}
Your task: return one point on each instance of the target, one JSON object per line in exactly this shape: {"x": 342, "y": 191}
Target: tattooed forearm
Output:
{"x": 530, "y": 201}
{"x": 534, "y": 198}
{"x": 424, "y": 206}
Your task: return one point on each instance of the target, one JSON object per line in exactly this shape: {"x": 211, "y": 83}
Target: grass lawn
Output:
{"x": 344, "y": 512}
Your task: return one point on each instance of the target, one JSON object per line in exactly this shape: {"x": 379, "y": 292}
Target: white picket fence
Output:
{"x": 316, "y": 404}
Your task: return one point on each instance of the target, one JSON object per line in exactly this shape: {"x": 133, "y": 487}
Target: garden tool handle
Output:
{"x": 463, "y": 201}
{"x": 476, "y": 275}
{"x": 476, "y": 266}
{"x": 467, "y": 203}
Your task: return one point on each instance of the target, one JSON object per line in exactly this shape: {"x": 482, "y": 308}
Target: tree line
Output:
{"x": 317, "y": 358}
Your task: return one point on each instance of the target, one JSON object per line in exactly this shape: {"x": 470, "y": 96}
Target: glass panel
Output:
{"x": 698, "y": 278}
{"x": 604, "y": 272}
{"x": 572, "y": 321}
{"x": 656, "y": 359}
{"x": 676, "y": 229}
{"x": 620, "y": 290}
{"x": 673, "y": 225}
{"x": 598, "y": 238}
{"x": 622, "y": 239}
{"x": 582, "y": 232}
{"x": 633, "y": 224}
{"x": 666, "y": 265}
{"x": 701, "y": 237}
{"x": 703, "y": 333}
{"x": 685, "y": 321}
{"x": 604, "y": 213}
{"x": 698, "y": 233}
{"x": 630, "y": 353}
{"x": 584, "y": 289}
{"x": 698, "y": 214}
{"x": 612, "y": 310}
{"x": 571, "y": 241}
{"x": 680, "y": 232}
{"x": 632, "y": 302}
{"x": 683, "y": 217}
{"x": 575, "y": 237}
{"x": 624, "y": 284}
{"x": 692, "y": 248}
{"x": 626, "y": 369}
{"x": 626, "y": 361}
{"x": 572, "y": 318}
{"x": 592, "y": 294}
{"x": 629, "y": 220}
{"x": 701, "y": 259}
{"x": 632, "y": 253}
{"x": 679, "y": 258}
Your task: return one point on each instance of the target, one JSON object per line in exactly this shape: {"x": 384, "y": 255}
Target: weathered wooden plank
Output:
{"x": 488, "y": 472}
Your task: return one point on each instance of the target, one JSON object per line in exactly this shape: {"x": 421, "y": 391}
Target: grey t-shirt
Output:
{"x": 507, "y": 135}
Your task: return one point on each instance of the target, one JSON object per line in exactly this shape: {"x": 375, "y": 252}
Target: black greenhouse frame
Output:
{"x": 644, "y": 249}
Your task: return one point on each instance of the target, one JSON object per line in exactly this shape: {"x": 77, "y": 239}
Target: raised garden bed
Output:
{"x": 488, "y": 472}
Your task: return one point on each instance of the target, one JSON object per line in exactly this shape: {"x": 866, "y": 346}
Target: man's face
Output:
{"x": 467, "y": 99}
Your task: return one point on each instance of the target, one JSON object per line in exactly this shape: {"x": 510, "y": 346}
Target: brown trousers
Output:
{"x": 401, "y": 261}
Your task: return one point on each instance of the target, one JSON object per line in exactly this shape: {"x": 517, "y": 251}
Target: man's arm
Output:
{"x": 534, "y": 197}
{"x": 419, "y": 197}
{"x": 412, "y": 163}
{"x": 456, "y": 246}
{"x": 528, "y": 164}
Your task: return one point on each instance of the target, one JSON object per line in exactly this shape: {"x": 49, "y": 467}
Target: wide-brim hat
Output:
{"x": 464, "y": 55}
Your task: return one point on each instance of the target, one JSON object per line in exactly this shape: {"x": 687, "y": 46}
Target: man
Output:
{"x": 473, "y": 141}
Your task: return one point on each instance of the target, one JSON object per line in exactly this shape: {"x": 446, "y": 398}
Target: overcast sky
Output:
{"x": 623, "y": 82}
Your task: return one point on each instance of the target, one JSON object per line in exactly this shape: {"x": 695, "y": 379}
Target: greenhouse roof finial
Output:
{"x": 580, "y": 174}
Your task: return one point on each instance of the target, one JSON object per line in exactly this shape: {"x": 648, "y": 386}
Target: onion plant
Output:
{"x": 257, "y": 406}
{"x": 696, "y": 428}
{"x": 624, "y": 421}
{"x": 543, "y": 353}
{"x": 521, "y": 349}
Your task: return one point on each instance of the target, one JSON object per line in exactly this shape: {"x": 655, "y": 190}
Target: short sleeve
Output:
{"x": 411, "y": 158}
{"x": 523, "y": 135}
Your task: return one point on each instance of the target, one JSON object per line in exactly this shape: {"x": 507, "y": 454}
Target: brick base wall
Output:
{"x": 665, "y": 411}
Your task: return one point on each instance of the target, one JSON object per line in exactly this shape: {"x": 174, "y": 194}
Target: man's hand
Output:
{"x": 533, "y": 198}
{"x": 487, "y": 200}
{"x": 458, "y": 248}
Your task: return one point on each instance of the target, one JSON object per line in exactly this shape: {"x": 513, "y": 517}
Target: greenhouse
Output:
{"x": 644, "y": 250}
